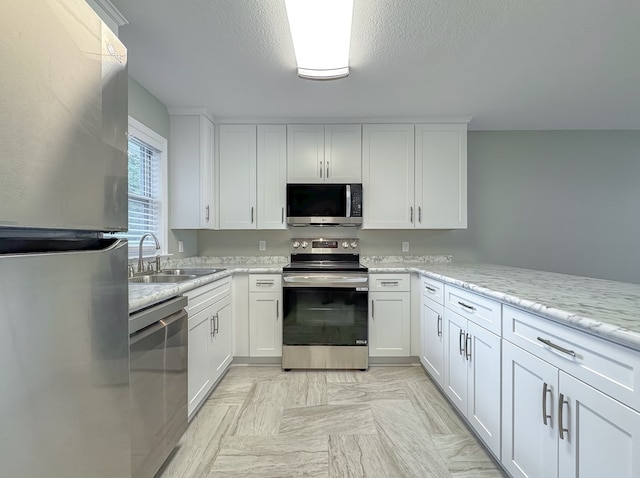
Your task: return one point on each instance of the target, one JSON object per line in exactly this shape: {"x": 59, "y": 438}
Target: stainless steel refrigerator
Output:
{"x": 64, "y": 354}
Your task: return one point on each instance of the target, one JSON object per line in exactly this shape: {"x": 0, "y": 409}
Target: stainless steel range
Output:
{"x": 325, "y": 303}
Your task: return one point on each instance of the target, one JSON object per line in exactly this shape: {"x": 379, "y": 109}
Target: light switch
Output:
{"x": 263, "y": 245}
{"x": 180, "y": 246}
{"x": 405, "y": 247}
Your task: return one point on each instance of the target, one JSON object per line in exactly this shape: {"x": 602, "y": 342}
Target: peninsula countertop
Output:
{"x": 605, "y": 308}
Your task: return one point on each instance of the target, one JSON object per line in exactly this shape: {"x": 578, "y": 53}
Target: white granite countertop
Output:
{"x": 144, "y": 295}
{"x": 605, "y": 308}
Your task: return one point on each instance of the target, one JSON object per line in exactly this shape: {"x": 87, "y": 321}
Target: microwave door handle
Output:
{"x": 348, "y": 188}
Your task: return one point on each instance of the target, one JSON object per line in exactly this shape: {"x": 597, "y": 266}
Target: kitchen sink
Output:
{"x": 194, "y": 271}
{"x": 161, "y": 278}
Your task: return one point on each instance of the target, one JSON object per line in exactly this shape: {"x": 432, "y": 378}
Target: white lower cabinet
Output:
{"x": 389, "y": 315}
{"x": 265, "y": 315}
{"x": 472, "y": 375}
{"x": 432, "y": 337}
{"x": 556, "y": 426}
{"x": 210, "y": 339}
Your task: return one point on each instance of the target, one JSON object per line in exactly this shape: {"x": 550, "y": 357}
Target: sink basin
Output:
{"x": 194, "y": 271}
{"x": 161, "y": 278}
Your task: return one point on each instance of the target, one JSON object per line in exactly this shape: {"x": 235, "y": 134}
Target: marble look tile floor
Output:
{"x": 386, "y": 422}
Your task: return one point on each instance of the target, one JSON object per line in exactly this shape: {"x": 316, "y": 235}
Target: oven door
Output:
{"x": 325, "y": 309}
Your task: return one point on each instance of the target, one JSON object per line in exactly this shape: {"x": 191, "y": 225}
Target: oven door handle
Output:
{"x": 325, "y": 281}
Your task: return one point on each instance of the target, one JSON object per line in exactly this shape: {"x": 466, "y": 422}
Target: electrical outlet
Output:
{"x": 405, "y": 247}
{"x": 180, "y": 246}
{"x": 263, "y": 245}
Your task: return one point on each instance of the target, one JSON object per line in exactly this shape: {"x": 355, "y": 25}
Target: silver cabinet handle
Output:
{"x": 282, "y": 216}
{"x": 251, "y": 214}
{"x": 563, "y": 430}
{"x": 265, "y": 283}
{"x": 277, "y": 309}
{"x": 206, "y": 214}
{"x": 372, "y": 311}
{"x": 327, "y": 175}
{"x": 420, "y": 214}
{"x": 557, "y": 347}
{"x": 467, "y": 347}
{"x": 213, "y": 328}
{"x": 430, "y": 289}
{"x": 320, "y": 169}
{"x": 217, "y": 323}
{"x": 545, "y": 389}
{"x": 466, "y": 306}
{"x": 439, "y": 325}
{"x": 461, "y": 341}
{"x": 389, "y": 282}
{"x": 411, "y": 214}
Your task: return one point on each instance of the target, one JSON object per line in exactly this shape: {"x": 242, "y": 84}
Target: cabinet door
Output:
{"x": 601, "y": 436}
{"x": 343, "y": 153}
{"x": 305, "y": 153}
{"x": 455, "y": 362}
{"x": 432, "y": 338}
{"x": 441, "y": 176}
{"x": 389, "y": 324}
{"x": 191, "y": 172}
{"x": 199, "y": 382}
{"x": 222, "y": 339}
{"x": 272, "y": 176}
{"x": 388, "y": 176}
{"x": 237, "y": 176}
{"x": 483, "y": 385}
{"x": 265, "y": 325}
{"x": 529, "y": 446}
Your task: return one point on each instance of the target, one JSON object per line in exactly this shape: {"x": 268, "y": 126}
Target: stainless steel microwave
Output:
{"x": 324, "y": 204}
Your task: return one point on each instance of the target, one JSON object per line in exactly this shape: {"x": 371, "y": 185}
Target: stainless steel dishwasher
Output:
{"x": 158, "y": 376}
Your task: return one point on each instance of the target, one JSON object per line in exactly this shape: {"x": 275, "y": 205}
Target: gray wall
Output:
{"x": 151, "y": 112}
{"x": 561, "y": 201}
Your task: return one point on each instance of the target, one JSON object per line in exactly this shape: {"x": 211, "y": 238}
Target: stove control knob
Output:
{"x": 354, "y": 244}
{"x": 296, "y": 244}
{"x": 345, "y": 245}
{"x": 304, "y": 244}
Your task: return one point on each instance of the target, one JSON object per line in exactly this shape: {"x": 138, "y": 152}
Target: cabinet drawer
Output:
{"x": 613, "y": 369}
{"x": 432, "y": 289}
{"x": 485, "y": 312}
{"x": 204, "y": 296}
{"x": 265, "y": 282}
{"x": 389, "y": 282}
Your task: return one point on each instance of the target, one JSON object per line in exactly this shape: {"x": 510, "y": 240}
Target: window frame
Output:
{"x": 159, "y": 143}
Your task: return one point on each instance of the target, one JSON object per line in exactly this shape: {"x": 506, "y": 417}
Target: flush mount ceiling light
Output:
{"x": 321, "y": 33}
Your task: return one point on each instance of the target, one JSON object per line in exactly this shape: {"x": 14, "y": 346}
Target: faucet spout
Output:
{"x": 144, "y": 236}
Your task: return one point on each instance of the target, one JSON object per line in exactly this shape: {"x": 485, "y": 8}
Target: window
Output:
{"x": 147, "y": 189}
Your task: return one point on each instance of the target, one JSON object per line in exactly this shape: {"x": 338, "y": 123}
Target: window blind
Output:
{"x": 145, "y": 204}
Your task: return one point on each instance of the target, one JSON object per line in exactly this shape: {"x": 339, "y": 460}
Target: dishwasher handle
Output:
{"x": 156, "y": 327}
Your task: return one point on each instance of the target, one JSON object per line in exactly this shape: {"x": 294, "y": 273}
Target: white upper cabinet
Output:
{"x": 441, "y": 176}
{"x": 252, "y": 162}
{"x": 343, "y": 153}
{"x": 237, "y": 161}
{"x": 387, "y": 176}
{"x": 191, "y": 172}
{"x": 415, "y": 179}
{"x": 272, "y": 176}
{"x": 324, "y": 153}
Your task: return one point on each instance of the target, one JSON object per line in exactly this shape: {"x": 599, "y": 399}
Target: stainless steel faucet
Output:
{"x": 144, "y": 236}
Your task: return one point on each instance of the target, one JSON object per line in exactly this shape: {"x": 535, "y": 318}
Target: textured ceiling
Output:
{"x": 509, "y": 64}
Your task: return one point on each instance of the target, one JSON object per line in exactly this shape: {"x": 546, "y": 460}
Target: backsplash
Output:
{"x": 433, "y": 259}
{"x": 217, "y": 260}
